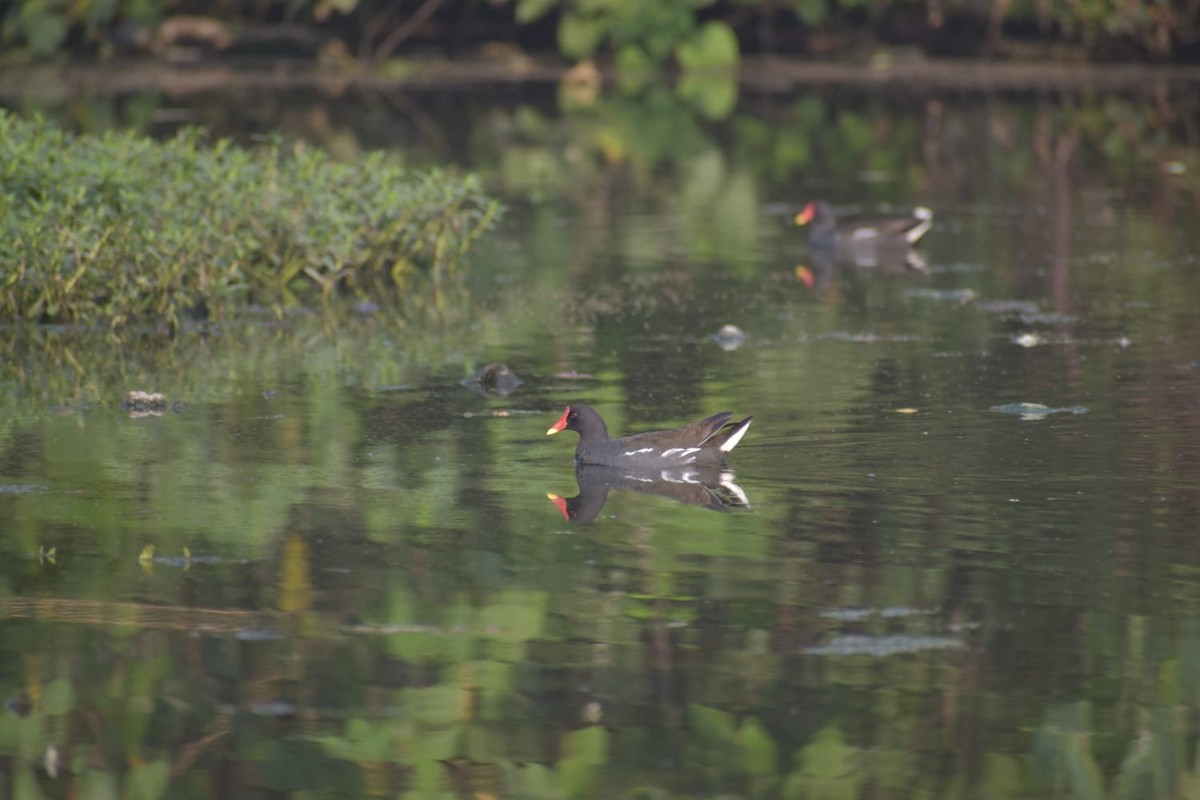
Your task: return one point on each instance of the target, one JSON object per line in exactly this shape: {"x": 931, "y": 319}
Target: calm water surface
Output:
{"x": 358, "y": 587}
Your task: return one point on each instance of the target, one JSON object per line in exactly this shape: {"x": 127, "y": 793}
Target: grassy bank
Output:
{"x": 119, "y": 228}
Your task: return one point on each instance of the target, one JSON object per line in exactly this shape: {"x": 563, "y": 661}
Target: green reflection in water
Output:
{"x": 378, "y": 598}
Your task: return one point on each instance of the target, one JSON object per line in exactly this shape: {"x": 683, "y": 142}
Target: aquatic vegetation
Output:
{"x": 118, "y": 228}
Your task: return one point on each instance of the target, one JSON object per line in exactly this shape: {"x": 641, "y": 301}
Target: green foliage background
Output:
{"x": 650, "y": 33}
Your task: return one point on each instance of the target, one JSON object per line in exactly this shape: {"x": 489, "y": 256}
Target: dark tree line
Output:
{"x": 630, "y": 30}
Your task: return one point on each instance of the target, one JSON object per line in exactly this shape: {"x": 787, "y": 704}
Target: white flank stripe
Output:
{"x": 637, "y": 452}
{"x": 732, "y": 441}
{"x": 681, "y": 451}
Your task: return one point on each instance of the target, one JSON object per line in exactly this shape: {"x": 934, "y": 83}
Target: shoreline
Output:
{"x": 766, "y": 74}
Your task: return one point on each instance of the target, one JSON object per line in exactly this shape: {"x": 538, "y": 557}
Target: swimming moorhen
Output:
{"x": 827, "y": 231}
{"x": 703, "y": 443}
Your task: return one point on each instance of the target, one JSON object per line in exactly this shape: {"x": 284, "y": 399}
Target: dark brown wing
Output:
{"x": 694, "y": 435}
{"x": 910, "y": 227}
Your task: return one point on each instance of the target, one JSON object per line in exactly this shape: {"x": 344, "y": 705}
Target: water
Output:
{"x": 967, "y": 568}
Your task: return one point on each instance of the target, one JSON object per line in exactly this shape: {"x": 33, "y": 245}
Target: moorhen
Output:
{"x": 864, "y": 242}
{"x": 703, "y": 443}
{"x": 709, "y": 487}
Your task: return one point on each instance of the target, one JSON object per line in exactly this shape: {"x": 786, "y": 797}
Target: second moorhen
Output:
{"x": 703, "y": 443}
{"x": 828, "y": 230}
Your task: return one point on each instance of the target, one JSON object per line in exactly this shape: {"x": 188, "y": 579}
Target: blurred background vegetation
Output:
{"x": 634, "y": 35}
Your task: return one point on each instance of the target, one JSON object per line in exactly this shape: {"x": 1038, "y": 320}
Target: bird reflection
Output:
{"x": 819, "y": 273}
{"x": 713, "y": 488}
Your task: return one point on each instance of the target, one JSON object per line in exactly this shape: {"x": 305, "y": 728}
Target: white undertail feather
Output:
{"x": 914, "y": 233}
{"x": 735, "y": 437}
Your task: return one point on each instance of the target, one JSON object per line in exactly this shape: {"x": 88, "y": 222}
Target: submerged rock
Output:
{"x": 141, "y": 404}
{"x": 494, "y": 380}
{"x": 144, "y": 401}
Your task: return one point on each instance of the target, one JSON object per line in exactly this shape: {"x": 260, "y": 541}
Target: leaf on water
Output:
{"x": 882, "y": 646}
{"x": 1035, "y": 411}
{"x": 1029, "y": 339}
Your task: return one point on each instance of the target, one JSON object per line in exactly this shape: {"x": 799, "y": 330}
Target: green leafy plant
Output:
{"x": 121, "y": 228}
